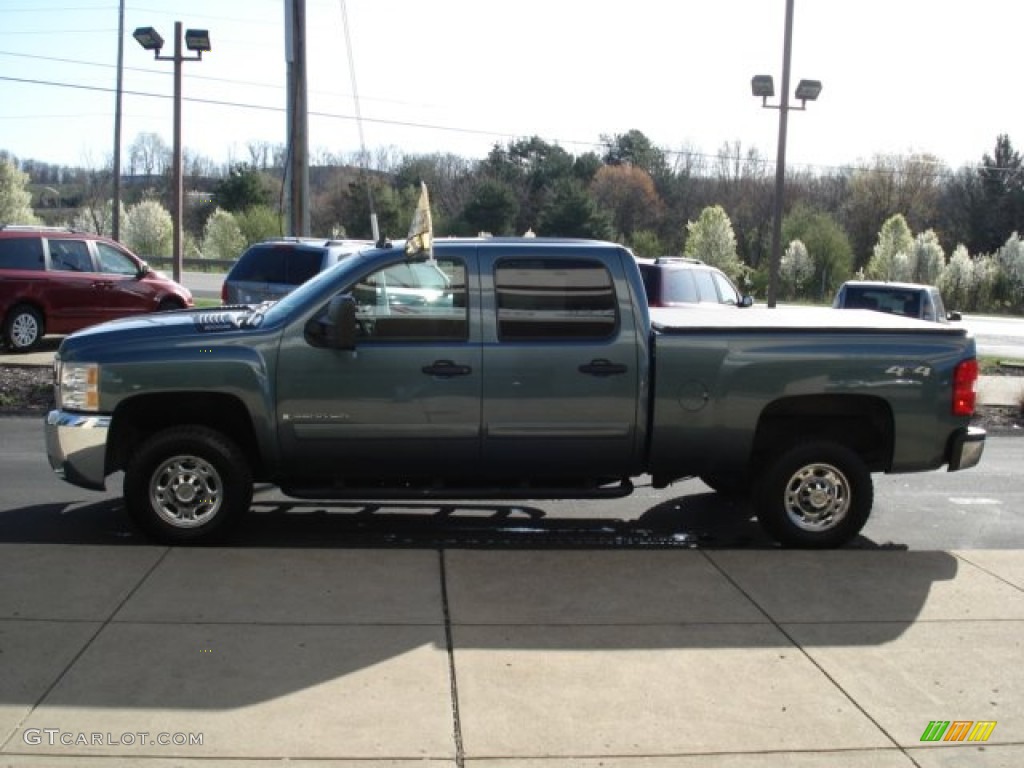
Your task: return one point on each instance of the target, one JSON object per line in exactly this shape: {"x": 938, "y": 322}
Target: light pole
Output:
{"x": 806, "y": 90}
{"x": 197, "y": 40}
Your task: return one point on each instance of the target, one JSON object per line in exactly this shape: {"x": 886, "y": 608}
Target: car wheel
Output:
{"x": 23, "y": 329}
{"x": 187, "y": 485}
{"x": 169, "y": 305}
{"x": 814, "y": 496}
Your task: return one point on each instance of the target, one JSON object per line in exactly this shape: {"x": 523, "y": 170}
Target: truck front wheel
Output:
{"x": 187, "y": 485}
{"x": 814, "y": 496}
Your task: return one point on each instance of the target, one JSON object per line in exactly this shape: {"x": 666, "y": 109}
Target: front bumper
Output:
{"x": 76, "y": 445}
{"x": 965, "y": 448}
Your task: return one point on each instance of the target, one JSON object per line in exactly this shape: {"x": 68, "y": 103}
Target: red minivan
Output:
{"x": 57, "y": 280}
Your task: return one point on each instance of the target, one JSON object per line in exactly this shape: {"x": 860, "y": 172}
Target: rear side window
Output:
{"x": 21, "y": 253}
{"x": 262, "y": 264}
{"x": 554, "y": 299}
{"x": 302, "y": 265}
{"x": 680, "y": 287}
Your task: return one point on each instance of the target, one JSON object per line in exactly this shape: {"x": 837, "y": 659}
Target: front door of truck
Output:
{"x": 561, "y": 367}
{"x": 407, "y": 400}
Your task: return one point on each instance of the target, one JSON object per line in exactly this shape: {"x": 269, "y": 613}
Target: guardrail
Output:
{"x": 192, "y": 265}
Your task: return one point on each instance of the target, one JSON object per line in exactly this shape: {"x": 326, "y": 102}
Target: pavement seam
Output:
{"x": 81, "y": 651}
{"x": 803, "y": 651}
{"x": 460, "y": 753}
{"x": 991, "y": 573}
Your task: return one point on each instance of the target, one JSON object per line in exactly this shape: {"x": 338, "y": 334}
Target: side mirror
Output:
{"x": 746, "y": 301}
{"x": 340, "y": 330}
{"x": 954, "y": 316}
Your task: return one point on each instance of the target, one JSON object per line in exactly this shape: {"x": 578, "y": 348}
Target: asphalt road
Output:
{"x": 982, "y": 508}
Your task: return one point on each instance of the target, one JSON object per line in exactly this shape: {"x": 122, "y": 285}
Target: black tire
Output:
{"x": 187, "y": 485}
{"x": 169, "y": 305}
{"x": 814, "y": 496}
{"x": 23, "y": 328}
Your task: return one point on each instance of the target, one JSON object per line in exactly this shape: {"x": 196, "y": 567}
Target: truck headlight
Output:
{"x": 78, "y": 386}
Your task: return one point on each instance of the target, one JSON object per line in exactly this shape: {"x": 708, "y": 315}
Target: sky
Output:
{"x": 458, "y": 76}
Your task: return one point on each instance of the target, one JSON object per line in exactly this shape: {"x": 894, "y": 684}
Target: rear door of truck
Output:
{"x": 562, "y": 365}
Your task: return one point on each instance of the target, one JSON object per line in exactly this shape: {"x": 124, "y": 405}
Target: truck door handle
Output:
{"x": 446, "y": 369}
{"x": 602, "y": 367}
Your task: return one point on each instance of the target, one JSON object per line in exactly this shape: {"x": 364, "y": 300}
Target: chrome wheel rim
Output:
{"x": 186, "y": 491}
{"x": 817, "y": 497}
{"x": 24, "y": 330}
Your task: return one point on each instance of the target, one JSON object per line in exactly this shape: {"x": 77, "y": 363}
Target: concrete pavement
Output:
{"x": 517, "y": 659}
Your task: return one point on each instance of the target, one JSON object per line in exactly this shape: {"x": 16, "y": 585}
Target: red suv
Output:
{"x": 56, "y": 280}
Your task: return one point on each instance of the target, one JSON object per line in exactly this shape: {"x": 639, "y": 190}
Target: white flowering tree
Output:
{"x": 796, "y": 268}
{"x": 1010, "y": 260}
{"x": 15, "y": 199}
{"x": 929, "y": 258}
{"x": 955, "y": 280}
{"x": 148, "y": 229}
{"x": 893, "y": 239}
{"x": 222, "y": 237}
{"x": 712, "y": 240}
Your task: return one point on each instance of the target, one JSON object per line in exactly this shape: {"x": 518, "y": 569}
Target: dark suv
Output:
{"x": 57, "y": 280}
{"x": 674, "y": 281}
{"x": 269, "y": 270}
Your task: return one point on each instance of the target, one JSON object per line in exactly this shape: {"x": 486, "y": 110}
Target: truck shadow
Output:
{"x": 693, "y": 521}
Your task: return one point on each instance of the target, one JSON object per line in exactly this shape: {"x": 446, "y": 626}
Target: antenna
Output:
{"x": 374, "y": 228}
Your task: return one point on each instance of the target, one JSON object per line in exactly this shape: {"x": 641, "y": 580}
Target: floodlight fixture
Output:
{"x": 197, "y": 40}
{"x": 762, "y": 86}
{"x": 808, "y": 90}
{"x": 148, "y": 38}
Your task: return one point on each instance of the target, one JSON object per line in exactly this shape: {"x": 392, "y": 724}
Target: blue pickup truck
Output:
{"x": 506, "y": 368}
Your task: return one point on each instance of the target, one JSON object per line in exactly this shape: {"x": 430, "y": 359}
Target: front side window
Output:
{"x": 727, "y": 293}
{"x": 554, "y": 299}
{"x": 114, "y": 261}
{"x": 70, "y": 256}
{"x": 413, "y": 302}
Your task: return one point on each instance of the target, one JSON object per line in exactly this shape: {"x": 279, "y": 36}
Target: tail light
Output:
{"x": 224, "y": 292}
{"x": 965, "y": 377}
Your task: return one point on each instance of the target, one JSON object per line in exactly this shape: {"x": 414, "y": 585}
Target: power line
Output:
{"x": 836, "y": 169}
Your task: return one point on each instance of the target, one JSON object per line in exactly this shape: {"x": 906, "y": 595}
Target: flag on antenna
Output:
{"x": 421, "y": 231}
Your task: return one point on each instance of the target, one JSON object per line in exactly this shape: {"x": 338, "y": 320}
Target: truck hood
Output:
{"x": 172, "y": 326}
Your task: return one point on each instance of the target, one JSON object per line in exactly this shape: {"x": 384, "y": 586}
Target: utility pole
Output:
{"x": 116, "y": 229}
{"x": 296, "y": 170}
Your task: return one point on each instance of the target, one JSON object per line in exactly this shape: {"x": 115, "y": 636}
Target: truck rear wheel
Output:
{"x": 187, "y": 485}
{"x": 814, "y": 496}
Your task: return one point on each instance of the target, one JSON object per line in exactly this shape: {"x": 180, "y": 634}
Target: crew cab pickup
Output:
{"x": 535, "y": 369}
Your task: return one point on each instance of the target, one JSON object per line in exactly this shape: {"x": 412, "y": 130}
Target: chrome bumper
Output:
{"x": 76, "y": 445}
{"x": 966, "y": 448}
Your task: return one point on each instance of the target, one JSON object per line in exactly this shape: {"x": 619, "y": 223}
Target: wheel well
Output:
{"x": 862, "y": 423}
{"x": 139, "y": 417}
{"x": 25, "y": 303}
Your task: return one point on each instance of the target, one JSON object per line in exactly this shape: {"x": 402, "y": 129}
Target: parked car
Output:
{"x": 673, "y": 281}
{"x": 271, "y": 269}
{"x": 56, "y": 280}
{"x": 917, "y": 300}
